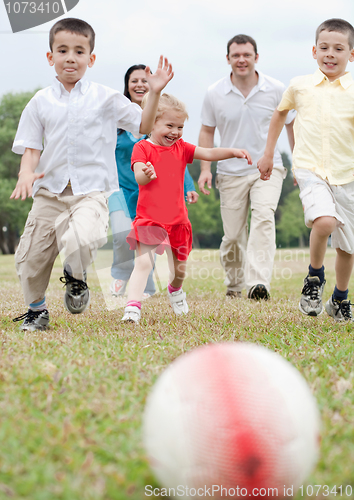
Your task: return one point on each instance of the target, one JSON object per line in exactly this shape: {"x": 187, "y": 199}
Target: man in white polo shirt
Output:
{"x": 240, "y": 106}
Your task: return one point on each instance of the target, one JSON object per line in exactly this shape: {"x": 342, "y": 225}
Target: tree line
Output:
{"x": 204, "y": 215}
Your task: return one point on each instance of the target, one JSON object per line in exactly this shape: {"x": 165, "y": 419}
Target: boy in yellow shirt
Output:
{"x": 323, "y": 162}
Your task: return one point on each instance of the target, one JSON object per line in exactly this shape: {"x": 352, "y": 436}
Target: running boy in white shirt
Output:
{"x": 75, "y": 123}
{"x": 323, "y": 162}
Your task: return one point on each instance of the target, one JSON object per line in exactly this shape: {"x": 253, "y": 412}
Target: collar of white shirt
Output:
{"x": 345, "y": 80}
{"x": 261, "y": 85}
{"x": 59, "y": 89}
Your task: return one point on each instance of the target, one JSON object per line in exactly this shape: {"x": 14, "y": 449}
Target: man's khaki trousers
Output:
{"x": 247, "y": 256}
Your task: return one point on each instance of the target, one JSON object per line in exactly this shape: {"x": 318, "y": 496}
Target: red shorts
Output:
{"x": 178, "y": 237}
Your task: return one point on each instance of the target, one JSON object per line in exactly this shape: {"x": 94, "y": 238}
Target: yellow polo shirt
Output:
{"x": 324, "y": 125}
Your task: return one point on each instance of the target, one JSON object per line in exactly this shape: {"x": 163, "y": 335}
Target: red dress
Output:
{"x": 161, "y": 213}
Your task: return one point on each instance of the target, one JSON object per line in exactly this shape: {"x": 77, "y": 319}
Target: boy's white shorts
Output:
{"x": 320, "y": 199}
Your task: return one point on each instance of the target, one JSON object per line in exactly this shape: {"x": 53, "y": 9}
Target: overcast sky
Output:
{"x": 192, "y": 33}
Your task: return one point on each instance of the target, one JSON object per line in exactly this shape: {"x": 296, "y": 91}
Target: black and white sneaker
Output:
{"x": 311, "y": 296}
{"x": 340, "y": 310}
{"x": 77, "y": 294}
{"x": 258, "y": 292}
{"x": 34, "y": 320}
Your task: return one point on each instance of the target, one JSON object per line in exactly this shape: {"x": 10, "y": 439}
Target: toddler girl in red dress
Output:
{"x": 161, "y": 216}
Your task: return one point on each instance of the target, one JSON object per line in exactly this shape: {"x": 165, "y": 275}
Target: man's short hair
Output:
{"x": 242, "y": 39}
{"x": 74, "y": 26}
{"x": 339, "y": 25}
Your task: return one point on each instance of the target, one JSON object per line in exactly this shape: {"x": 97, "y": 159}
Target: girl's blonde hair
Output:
{"x": 167, "y": 101}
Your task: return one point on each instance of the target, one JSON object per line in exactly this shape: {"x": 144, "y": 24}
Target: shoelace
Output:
{"x": 312, "y": 290}
{"x": 28, "y": 315}
{"x": 344, "y": 308}
{"x": 77, "y": 286}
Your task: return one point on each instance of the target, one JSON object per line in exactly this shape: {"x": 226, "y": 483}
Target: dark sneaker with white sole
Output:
{"x": 77, "y": 294}
{"x": 311, "y": 296}
{"x": 34, "y": 320}
{"x": 340, "y": 310}
{"x": 258, "y": 292}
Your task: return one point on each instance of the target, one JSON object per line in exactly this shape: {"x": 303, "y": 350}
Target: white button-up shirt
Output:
{"x": 77, "y": 132}
{"x": 243, "y": 122}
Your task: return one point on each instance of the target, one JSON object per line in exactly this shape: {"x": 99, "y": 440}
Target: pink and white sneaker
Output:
{"x": 178, "y": 302}
{"x": 131, "y": 315}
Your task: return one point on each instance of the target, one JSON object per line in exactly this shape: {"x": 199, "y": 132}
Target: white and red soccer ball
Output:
{"x": 231, "y": 415}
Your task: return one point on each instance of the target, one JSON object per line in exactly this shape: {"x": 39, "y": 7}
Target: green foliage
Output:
{"x": 13, "y": 213}
{"x": 288, "y": 183}
{"x": 11, "y": 107}
{"x": 289, "y": 217}
{"x": 205, "y": 214}
{"x": 290, "y": 229}
{"x": 206, "y": 221}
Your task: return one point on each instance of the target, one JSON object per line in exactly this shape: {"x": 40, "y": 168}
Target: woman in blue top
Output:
{"x": 122, "y": 203}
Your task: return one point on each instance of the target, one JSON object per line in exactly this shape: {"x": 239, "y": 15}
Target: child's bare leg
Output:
{"x": 321, "y": 229}
{"x": 343, "y": 267}
{"x": 144, "y": 262}
{"x": 175, "y": 293}
{"x": 177, "y": 270}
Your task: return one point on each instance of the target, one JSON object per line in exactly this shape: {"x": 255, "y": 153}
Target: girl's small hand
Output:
{"x": 149, "y": 171}
{"x": 243, "y": 153}
{"x": 192, "y": 197}
{"x": 161, "y": 77}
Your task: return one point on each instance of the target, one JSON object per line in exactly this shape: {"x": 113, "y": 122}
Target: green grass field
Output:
{"x": 71, "y": 398}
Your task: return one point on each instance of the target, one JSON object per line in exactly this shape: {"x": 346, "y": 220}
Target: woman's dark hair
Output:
{"x": 126, "y": 84}
{"x": 127, "y": 76}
